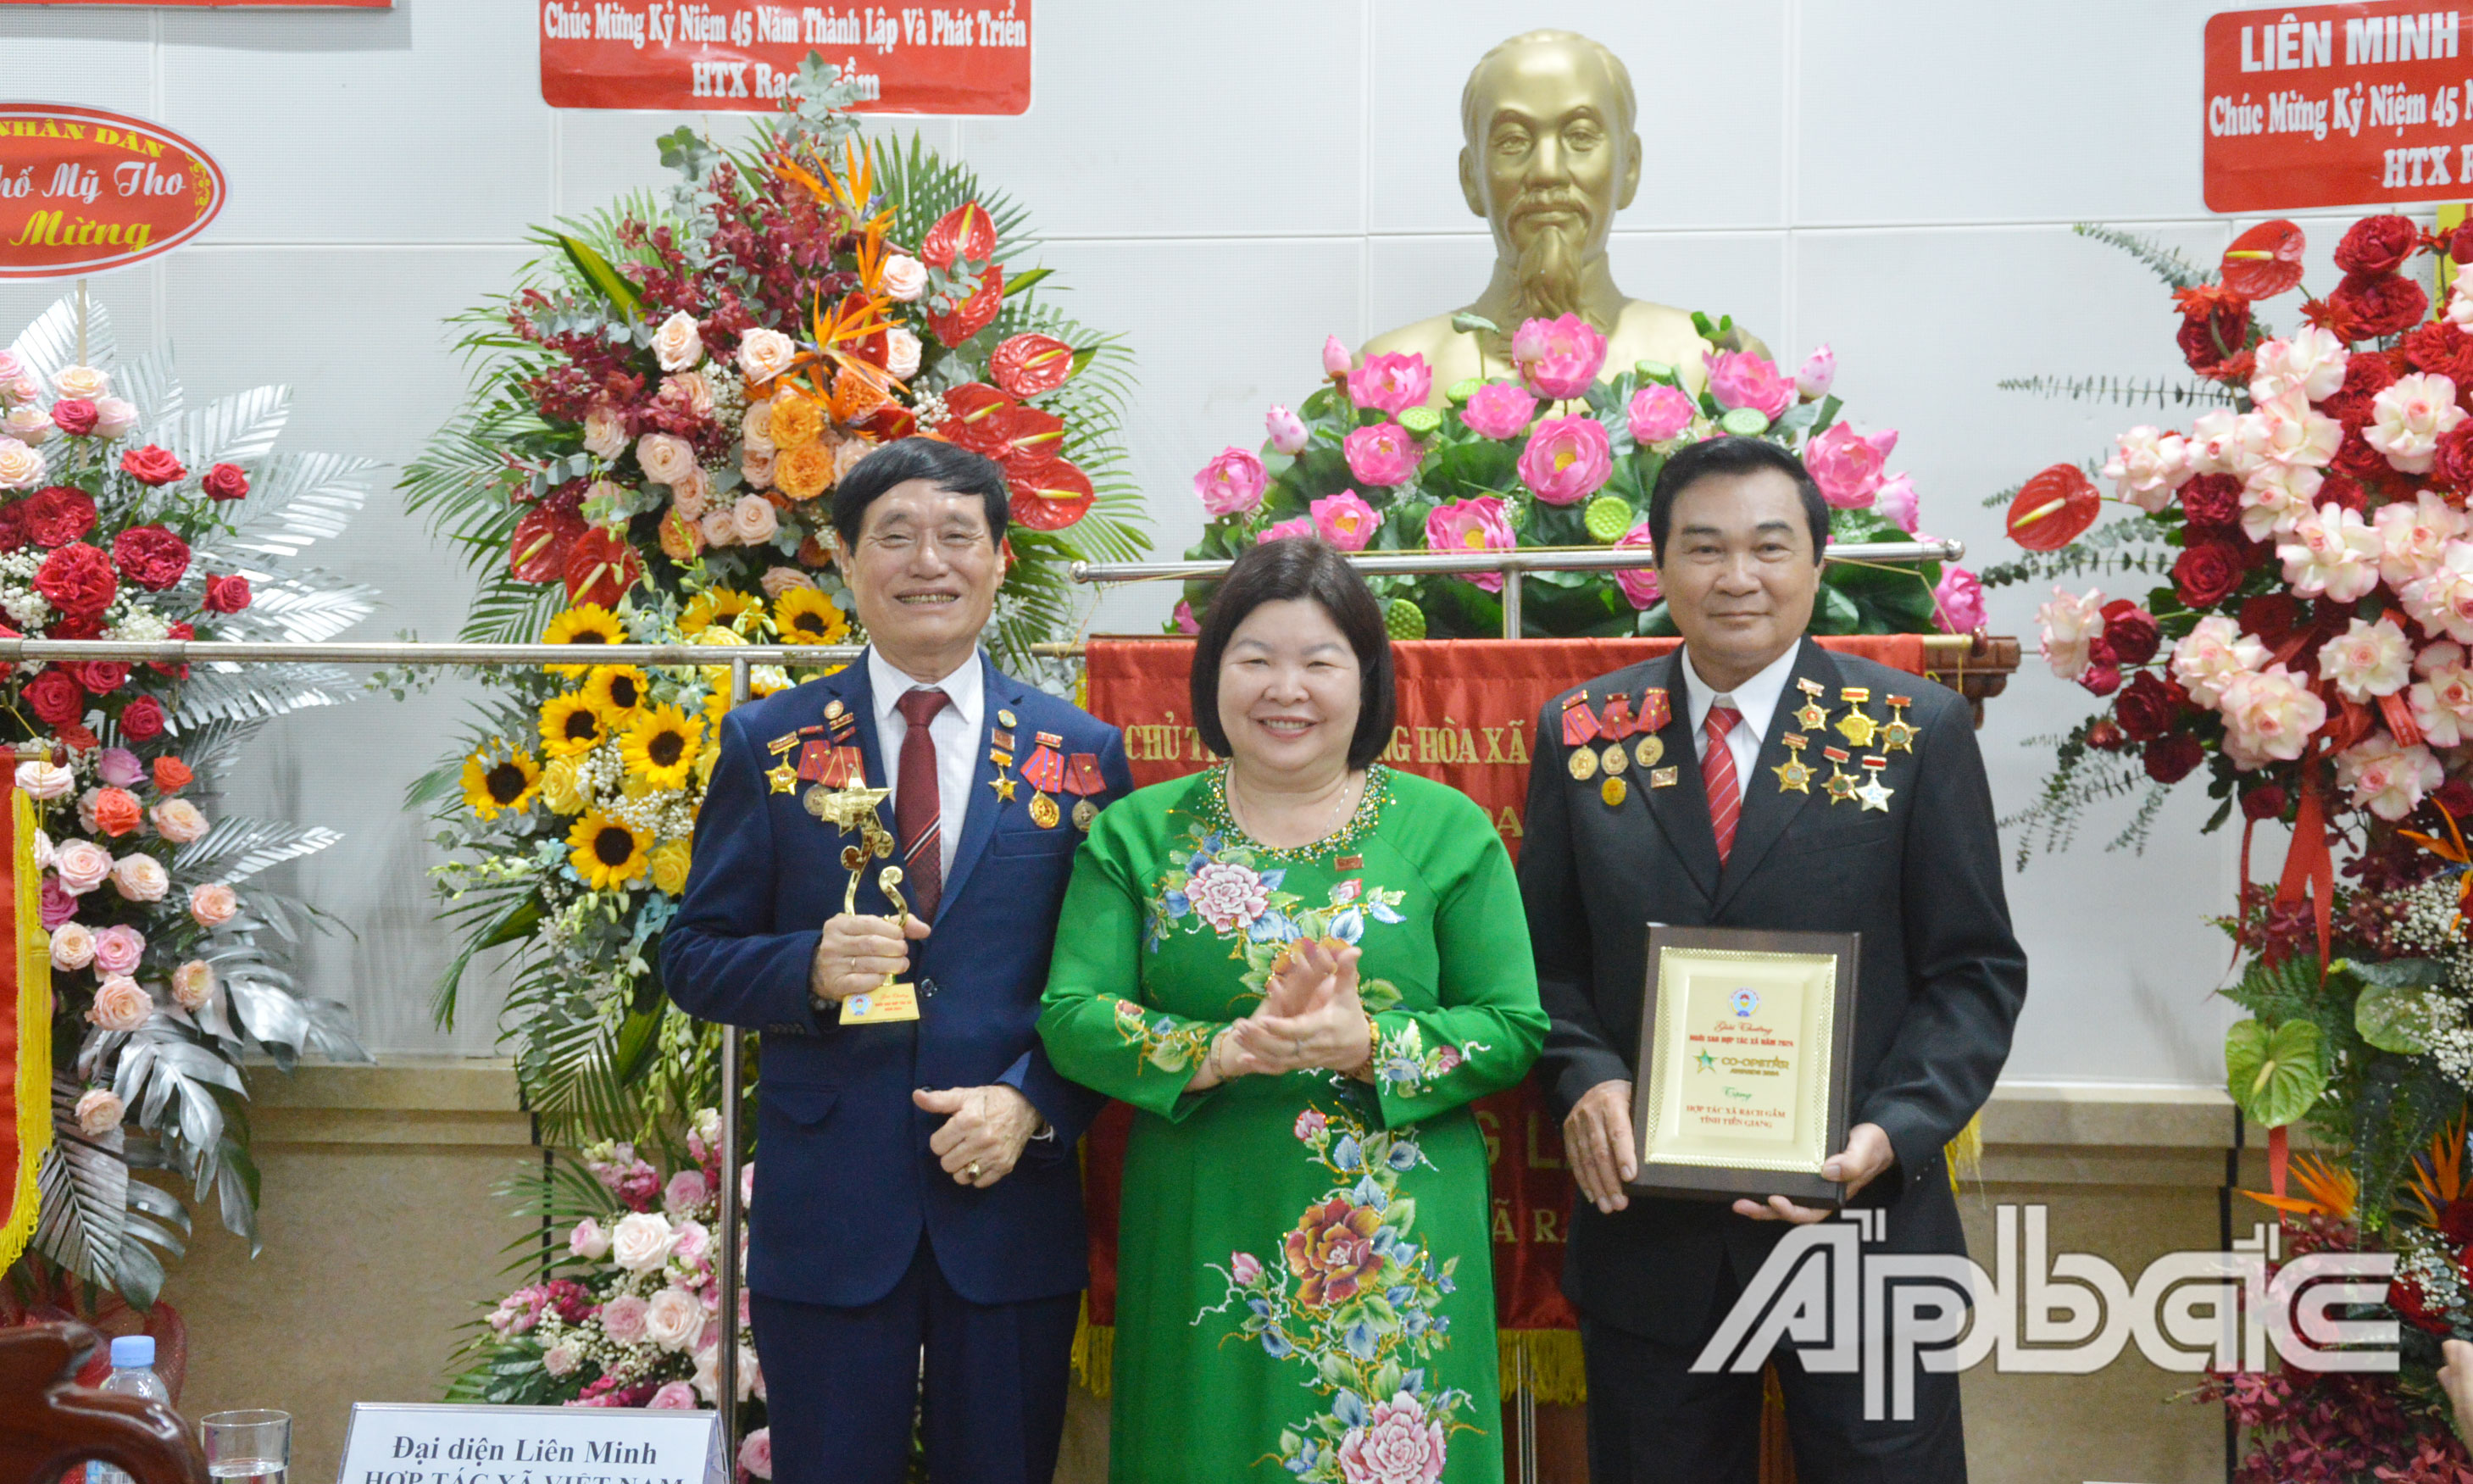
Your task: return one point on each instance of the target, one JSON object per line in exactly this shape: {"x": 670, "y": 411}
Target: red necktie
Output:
{"x": 918, "y": 811}
{"x": 1717, "y": 777}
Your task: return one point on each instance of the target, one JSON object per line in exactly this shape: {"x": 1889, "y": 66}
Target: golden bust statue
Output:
{"x": 1550, "y": 157}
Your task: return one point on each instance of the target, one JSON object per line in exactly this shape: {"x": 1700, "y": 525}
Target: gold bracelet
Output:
{"x": 1373, "y": 1049}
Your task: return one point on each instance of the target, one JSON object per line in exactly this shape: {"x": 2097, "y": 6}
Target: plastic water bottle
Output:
{"x": 132, "y": 1373}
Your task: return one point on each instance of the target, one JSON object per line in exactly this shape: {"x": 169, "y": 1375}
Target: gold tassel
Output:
{"x": 1094, "y": 1353}
{"x": 1964, "y": 1154}
{"x": 34, "y": 1084}
{"x": 1556, "y": 1373}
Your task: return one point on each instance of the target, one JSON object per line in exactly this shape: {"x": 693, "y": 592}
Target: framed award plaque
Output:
{"x": 1747, "y": 1042}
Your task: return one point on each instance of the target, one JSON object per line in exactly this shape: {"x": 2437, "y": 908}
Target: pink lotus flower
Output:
{"x": 1345, "y": 520}
{"x": 1283, "y": 530}
{"x": 1396, "y": 1446}
{"x": 1847, "y": 466}
{"x": 1658, "y": 412}
{"x": 117, "y": 948}
{"x": 1567, "y": 460}
{"x": 1738, "y": 378}
{"x": 1560, "y": 357}
{"x": 1383, "y": 454}
{"x": 1183, "y": 619}
{"x": 1642, "y": 586}
{"x": 1231, "y": 484}
{"x": 1335, "y": 358}
{"x": 1286, "y": 430}
{"x": 1475, "y": 524}
{"x": 1895, "y": 503}
{"x": 1958, "y": 599}
{"x": 1391, "y": 383}
{"x": 1244, "y": 1267}
{"x": 1818, "y": 373}
{"x": 1498, "y": 410}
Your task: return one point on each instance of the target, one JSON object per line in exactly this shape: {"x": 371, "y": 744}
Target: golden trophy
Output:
{"x": 855, "y": 808}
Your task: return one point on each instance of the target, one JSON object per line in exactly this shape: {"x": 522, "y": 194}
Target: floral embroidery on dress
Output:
{"x": 1221, "y": 886}
{"x": 1166, "y": 1042}
{"x": 1406, "y": 1068}
{"x": 1353, "y": 1298}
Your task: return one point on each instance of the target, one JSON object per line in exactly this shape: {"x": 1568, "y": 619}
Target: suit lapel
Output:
{"x": 979, "y": 818}
{"x": 1681, "y": 810}
{"x": 1767, "y": 809}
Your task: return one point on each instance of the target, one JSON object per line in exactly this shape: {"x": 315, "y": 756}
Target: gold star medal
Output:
{"x": 1840, "y": 785}
{"x": 785, "y": 780}
{"x": 1856, "y": 726}
{"x": 1874, "y": 792}
{"x": 1898, "y": 734}
{"x": 1614, "y": 791}
{"x": 1003, "y": 787}
{"x": 1793, "y": 774}
{"x": 1812, "y": 716}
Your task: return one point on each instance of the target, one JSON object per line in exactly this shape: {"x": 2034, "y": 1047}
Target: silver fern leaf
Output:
{"x": 51, "y": 342}
{"x": 238, "y": 847}
{"x": 295, "y": 499}
{"x": 230, "y": 429}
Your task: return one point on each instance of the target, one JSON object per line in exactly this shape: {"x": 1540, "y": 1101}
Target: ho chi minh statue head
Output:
{"x": 1550, "y": 157}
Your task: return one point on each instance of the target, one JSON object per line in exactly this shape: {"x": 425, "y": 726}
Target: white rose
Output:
{"x": 2442, "y": 702}
{"x": 756, "y": 469}
{"x": 2269, "y": 715}
{"x": 84, "y": 382}
{"x": 29, "y": 422}
{"x": 113, "y": 417}
{"x": 44, "y": 781}
{"x": 904, "y": 278}
{"x": 2276, "y": 498}
{"x": 676, "y": 345}
{"x": 82, "y": 865}
{"x": 2387, "y": 780}
{"x": 2311, "y": 361}
{"x": 72, "y": 946}
{"x": 2070, "y": 623}
{"x": 2213, "y": 445}
{"x": 2333, "y": 552}
{"x": 2408, "y": 418}
{"x": 691, "y": 390}
{"x": 42, "y": 850}
{"x": 642, "y": 1241}
{"x": 2368, "y": 661}
{"x": 605, "y": 432}
{"x": 2413, "y": 537}
{"x": 900, "y": 352}
{"x": 2148, "y": 466}
{"x": 764, "y": 354}
{"x": 179, "y": 820}
{"x": 666, "y": 460}
{"x": 755, "y": 427}
{"x": 2459, "y": 303}
{"x": 2442, "y": 602}
{"x": 21, "y": 467}
{"x": 99, "y": 1111}
{"x": 673, "y": 1319}
{"x": 139, "y": 879}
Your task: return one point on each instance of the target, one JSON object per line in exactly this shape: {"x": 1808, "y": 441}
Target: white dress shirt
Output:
{"x": 954, "y": 731}
{"x": 1756, "y": 698}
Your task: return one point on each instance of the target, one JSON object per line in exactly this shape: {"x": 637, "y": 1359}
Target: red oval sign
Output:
{"x": 83, "y": 191}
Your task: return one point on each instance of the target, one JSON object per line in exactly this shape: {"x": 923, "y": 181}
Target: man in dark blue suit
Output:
{"x": 915, "y": 1180}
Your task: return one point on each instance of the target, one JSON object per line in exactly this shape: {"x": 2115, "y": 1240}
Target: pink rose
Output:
{"x": 756, "y": 469}
{"x": 1391, "y": 383}
{"x": 673, "y": 1319}
{"x": 82, "y": 865}
{"x": 1396, "y": 1446}
{"x": 1847, "y": 466}
{"x": 676, "y": 345}
{"x": 587, "y": 1240}
{"x": 605, "y": 433}
{"x": 780, "y": 579}
{"x": 1244, "y": 1267}
{"x": 1818, "y": 373}
{"x": 74, "y": 414}
{"x": 1499, "y": 410}
{"x": 1474, "y": 524}
{"x": 642, "y": 1241}
{"x": 1558, "y": 358}
{"x": 1285, "y": 430}
{"x": 694, "y": 1243}
{"x": 1183, "y": 618}
{"x": 673, "y": 1396}
{"x": 179, "y": 820}
{"x": 212, "y": 904}
{"x": 1738, "y": 378}
{"x": 99, "y": 1111}
{"x": 715, "y": 528}
{"x": 1228, "y": 896}
{"x": 113, "y": 417}
{"x": 1232, "y": 483}
{"x": 1345, "y": 520}
{"x": 72, "y": 946}
{"x": 140, "y": 878}
{"x": 1642, "y": 586}
{"x": 904, "y": 278}
{"x": 1960, "y": 601}
{"x": 45, "y": 781}
{"x": 561, "y": 1359}
{"x": 120, "y": 1005}
{"x": 1283, "y": 530}
{"x": 752, "y": 521}
{"x": 685, "y": 1190}
{"x": 1334, "y": 357}
{"x": 756, "y": 1454}
{"x": 622, "y": 1319}
{"x": 1567, "y": 460}
{"x": 60, "y": 904}
{"x": 764, "y": 354}
{"x": 1383, "y": 454}
{"x": 117, "y": 948}
{"x": 1895, "y": 503}
{"x": 1658, "y": 412}
{"x": 193, "y": 984}
{"x": 119, "y": 767}
{"x": 665, "y": 459}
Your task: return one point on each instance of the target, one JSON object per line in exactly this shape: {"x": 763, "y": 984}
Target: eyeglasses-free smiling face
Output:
{"x": 1289, "y": 690}
{"x": 924, "y": 576}
{"x": 1739, "y": 570}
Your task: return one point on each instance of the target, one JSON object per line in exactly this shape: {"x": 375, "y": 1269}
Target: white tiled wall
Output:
{"x": 1226, "y": 185}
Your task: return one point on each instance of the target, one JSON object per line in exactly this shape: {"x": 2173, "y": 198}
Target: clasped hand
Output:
{"x": 856, "y": 953}
{"x": 1311, "y": 1017}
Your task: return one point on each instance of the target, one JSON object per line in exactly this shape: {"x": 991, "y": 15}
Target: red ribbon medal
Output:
{"x": 1082, "y": 776}
{"x": 1655, "y": 711}
{"x": 1045, "y": 767}
{"x": 1619, "y": 723}
{"x": 1580, "y": 723}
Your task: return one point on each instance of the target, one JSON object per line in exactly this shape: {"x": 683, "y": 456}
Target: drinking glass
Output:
{"x": 248, "y": 1447}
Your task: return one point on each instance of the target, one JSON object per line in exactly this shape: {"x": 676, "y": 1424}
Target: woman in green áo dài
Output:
{"x": 1300, "y": 967}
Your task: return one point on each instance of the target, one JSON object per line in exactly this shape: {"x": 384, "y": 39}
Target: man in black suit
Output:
{"x": 1753, "y": 798}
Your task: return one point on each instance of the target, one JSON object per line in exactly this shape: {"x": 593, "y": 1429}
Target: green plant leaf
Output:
{"x": 596, "y": 270}
{"x": 2274, "y": 1075}
{"x": 2393, "y": 1017}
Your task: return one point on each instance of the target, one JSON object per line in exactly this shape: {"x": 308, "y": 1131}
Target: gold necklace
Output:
{"x": 1347, "y": 781}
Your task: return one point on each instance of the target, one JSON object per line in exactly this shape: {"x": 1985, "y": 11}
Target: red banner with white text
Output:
{"x": 1466, "y": 710}
{"x": 741, "y": 55}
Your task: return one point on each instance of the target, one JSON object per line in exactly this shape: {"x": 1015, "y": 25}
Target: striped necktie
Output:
{"x": 1717, "y": 779}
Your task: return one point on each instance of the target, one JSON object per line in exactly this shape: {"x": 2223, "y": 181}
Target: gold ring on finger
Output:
{"x": 973, "y": 1170}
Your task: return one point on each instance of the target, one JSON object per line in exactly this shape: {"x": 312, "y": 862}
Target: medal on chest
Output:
{"x": 1795, "y": 775}
{"x": 1044, "y": 770}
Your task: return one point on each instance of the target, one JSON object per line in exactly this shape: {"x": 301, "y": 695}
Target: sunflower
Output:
{"x": 803, "y": 616}
{"x": 718, "y": 605}
{"x": 495, "y": 785}
{"x": 570, "y": 725}
{"x": 587, "y": 623}
{"x": 660, "y": 746}
{"x": 608, "y": 853}
{"x": 670, "y": 861}
{"x": 617, "y": 691}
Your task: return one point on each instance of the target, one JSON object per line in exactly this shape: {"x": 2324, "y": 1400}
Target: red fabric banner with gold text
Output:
{"x": 1466, "y": 710}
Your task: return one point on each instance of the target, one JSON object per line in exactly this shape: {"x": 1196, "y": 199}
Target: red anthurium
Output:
{"x": 972, "y": 314}
{"x": 1050, "y": 496}
{"x": 542, "y": 539}
{"x": 2054, "y": 509}
{"x": 1027, "y": 365}
{"x": 966, "y": 232}
{"x": 600, "y": 567}
{"x": 2264, "y": 261}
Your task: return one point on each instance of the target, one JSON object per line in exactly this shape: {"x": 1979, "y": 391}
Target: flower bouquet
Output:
{"x": 1546, "y": 454}
{"x": 127, "y": 516}
{"x": 629, "y": 1314}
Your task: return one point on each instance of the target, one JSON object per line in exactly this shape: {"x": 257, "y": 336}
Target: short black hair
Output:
{"x": 932, "y": 459}
{"x": 1300, "y": 566}
{"x": 1731, "y": 455}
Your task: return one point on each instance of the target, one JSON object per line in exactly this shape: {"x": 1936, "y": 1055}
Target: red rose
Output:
{"x": 102, "y": 677}
{"x": 2381, "y": 303}
{"x": 74, "y": 414}
{"x": 142, "y": 720}
{"x": 78, "y": 581}
{"x": 2358, "y": 460}
{"x": 2455, "y": 796}
{"x": 2129, "y": 632}
{"x": 2366, "y": 374}
{"x": 2207, "y": 573}
{"x": 2146, "y": 707}
{"x": 2338, "y": 489}
{"x": 2453, "y": 464}
{"x": 12, "y": 525}
{"x": 152, "y": 466}
{"x": 2171, "y": 758}
{"x": 75, "y": 626}
{"x": 178, "y": 672}
{"x": 2104, "y": 734}
{"x": 227, "y": 594}
{"x": 55, "y": 697}
{"x": 2100, "y": 680}
{"x": 2211, "y": 338}
{"x": 2264, "y": 802}
{"x": 2443, "y": 349}
{"x": 58, "y": 516}
{"x": 225, "y": 481}
{"x": 2271, "y": 616}
{"x": 2211, "y": 500}
{"x": 2377, "y": 245}
{"x": 151, "y": 556}
{"x": 172, "y": 775}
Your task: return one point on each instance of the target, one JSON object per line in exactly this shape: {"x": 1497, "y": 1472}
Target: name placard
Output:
{"x": 406, "y": 1444}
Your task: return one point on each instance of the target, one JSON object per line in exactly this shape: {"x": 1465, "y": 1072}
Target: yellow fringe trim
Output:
{"x": 1964, "y": 1154}
{"x": 33, "y": 1081}
{"x": 1094, "y": 1353}
{"x": 1556, "y": 1374}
